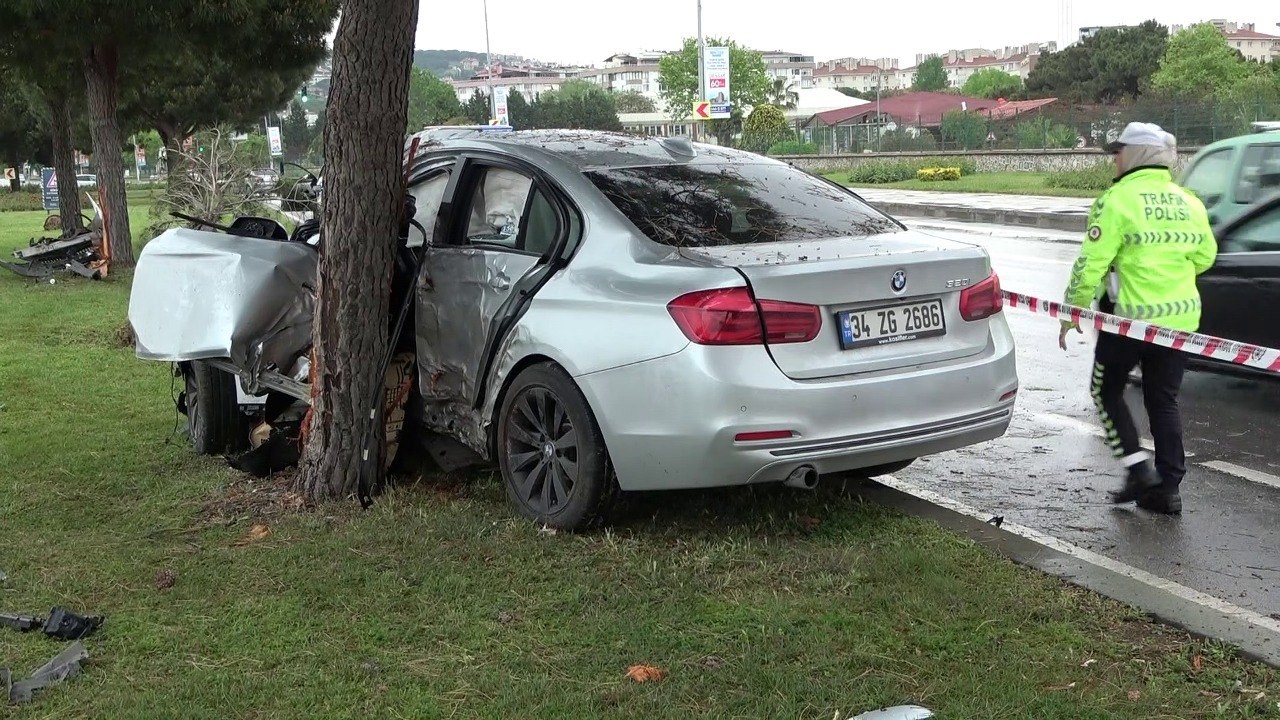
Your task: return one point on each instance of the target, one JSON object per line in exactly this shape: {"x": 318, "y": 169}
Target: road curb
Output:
{"x": 1257, "y": 637}
{"x": 1070, "y": 221}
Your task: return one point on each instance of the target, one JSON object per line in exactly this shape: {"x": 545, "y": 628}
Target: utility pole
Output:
{"x": 702, "y": 73}
{"x": 488, "y": 59}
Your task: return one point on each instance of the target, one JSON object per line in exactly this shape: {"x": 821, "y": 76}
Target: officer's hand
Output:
{"x": 1062, "y": 335}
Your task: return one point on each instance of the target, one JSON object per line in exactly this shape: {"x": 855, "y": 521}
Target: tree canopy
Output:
{"x": 749, "y": 81}
{"x": 632, "y": 102}
{"x": 991, "y": 83}
{"x": 765, "y": 126}
{"x": 930, "y": 76}
{"x": 1112, "y": 65}
{"x": 432, "y": 101}
{"x": 1198, "y": 61}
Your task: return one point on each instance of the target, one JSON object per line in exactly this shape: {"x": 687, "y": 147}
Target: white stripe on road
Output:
{"x": 1179, "y": 591}
{"x": 1244, "y": 473}
{"x": 1091, "y": 429}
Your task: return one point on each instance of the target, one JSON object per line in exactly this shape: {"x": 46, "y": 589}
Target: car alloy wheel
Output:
{"x": 542, "y": 449}
{"x": 551, "y": 453}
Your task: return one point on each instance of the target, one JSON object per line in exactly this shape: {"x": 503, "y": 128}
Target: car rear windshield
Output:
{"x": 735, "y": 204}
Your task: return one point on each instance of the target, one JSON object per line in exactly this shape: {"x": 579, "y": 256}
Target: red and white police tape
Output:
{"x": 1253, "y": 356}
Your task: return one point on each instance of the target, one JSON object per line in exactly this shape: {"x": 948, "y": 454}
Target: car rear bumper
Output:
{"x": 672, "y": 422}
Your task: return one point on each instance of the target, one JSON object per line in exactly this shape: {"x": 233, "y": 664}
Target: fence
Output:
{"x": 1054, "y": 126}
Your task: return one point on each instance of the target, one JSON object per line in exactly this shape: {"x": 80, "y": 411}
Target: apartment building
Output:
{"x": 629, "y": 72}
{"x": 861, "y": 74}
{"x": 796, "y": 69}
{"x": 1245, "y": 37}
{"x": 1018, "y": 60}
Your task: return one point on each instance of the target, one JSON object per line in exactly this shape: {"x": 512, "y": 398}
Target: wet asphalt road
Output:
{"x": 1051, "y": 472}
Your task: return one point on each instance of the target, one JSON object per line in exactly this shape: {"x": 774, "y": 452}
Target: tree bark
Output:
{"x": 171, "y": 136}
{"x": 64, "y": 164}
{"x": 101, "y": 75}
{"x": 364, "y": 148}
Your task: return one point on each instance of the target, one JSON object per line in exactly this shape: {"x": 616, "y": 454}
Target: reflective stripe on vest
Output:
{"x": 1150, "y": 312}
{"x": 1165, "y": 237}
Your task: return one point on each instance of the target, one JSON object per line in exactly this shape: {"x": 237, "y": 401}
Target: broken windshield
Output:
{"x": 735, "y": 204}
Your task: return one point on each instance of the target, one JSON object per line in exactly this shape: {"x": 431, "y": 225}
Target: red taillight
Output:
{"x": 731, "y": 316}
{"x": 982, "y": 300}
{"x": 763, "y": 435}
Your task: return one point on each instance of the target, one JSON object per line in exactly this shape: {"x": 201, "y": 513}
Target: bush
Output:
{"x": 21, "y": 200}
{"x": 879, "y": 172}
{"x": 1097, "y": 177}
{"x": 793, "y": 147}
{"x": 936, "y": 174}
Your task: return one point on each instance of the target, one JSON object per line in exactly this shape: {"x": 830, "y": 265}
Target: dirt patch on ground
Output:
{"x": 247, "y": 497}
{"x": 125, "y": 336}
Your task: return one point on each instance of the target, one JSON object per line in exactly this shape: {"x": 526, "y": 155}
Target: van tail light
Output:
{"x": 733, "y": 316}
{"x": 982, "y": 300}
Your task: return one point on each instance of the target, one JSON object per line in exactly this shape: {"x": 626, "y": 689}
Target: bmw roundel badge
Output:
{"x": 899, "y": 281}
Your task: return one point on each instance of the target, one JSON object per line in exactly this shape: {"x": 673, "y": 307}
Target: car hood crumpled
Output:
{"x": 199, "y": 295}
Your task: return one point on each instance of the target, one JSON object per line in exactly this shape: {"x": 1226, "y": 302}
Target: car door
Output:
{"x": 1210, "y": 178}
{"x": 1241, "y": 292}
{"x": 504, "y": 229}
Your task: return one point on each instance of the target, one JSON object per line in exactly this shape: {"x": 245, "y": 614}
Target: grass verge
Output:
{"x": 437, "y": 603}
{"x": 1007, "y": 183}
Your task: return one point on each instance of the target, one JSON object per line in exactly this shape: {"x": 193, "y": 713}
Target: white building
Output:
{"x": 796, "y": 69}
{"x": 629, "y": 72}
{"x": 1244, "y": 37}
{"x": 861, "y": 74}
{"x": 1017, "y": 60}
{"x": 811, "y": 102}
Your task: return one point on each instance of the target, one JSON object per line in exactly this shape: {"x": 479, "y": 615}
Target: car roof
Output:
{"x": 588, "y": 149}
{"x": 1263, "y": 136}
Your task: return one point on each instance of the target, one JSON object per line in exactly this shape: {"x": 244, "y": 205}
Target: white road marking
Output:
{"x": 1179, "y": 591}
{"x": 1244, "y": 473}
{"x": 1090, "y": 429}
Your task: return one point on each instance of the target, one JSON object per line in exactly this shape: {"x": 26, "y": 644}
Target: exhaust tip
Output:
{"x": 804, "y": 477}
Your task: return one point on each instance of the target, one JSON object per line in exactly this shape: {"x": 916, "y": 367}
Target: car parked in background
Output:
{"x": 599, "y": 312}
{"x": 86, "y": 181}
{"x": 1230, "y": 175}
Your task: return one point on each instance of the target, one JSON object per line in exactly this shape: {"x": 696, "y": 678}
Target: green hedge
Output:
{"x": 879, "y": 172}
{"x": 1097, "y": 177}
{"x": 23, "y": 200}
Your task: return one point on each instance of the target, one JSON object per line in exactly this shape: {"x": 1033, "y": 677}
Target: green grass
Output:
{"x": 764, "y": 603}
{"x": 1011, "y": 183}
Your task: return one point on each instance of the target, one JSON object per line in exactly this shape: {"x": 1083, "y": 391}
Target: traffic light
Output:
{"x": 303, "y": 93}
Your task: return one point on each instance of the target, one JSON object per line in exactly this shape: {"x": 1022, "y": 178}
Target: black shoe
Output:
{"x": 1165, "y": 503}
{"x": 1140, "y": 481}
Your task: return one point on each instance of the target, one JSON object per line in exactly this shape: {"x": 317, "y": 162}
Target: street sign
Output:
{"x": 702, "y": 111}
{"x": 10, "y": 173}
{"x": 49, "y": 189}
{"x": 716, "y": 68}
{"x": 500, "y": 105}
{"x": 142, "y": 156}
{"x": 273, "y": 139}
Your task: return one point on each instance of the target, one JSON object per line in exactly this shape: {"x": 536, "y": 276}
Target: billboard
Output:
{"x": 715, "y": 64}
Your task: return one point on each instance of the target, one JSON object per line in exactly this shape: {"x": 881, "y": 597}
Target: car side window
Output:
{"x": 1211, "y": 176}
{"x": 1257, "y": 234}
{"x": 496, "y": 207}
{"x": 1259, "y": 173}
{"x": 427, "y": 196}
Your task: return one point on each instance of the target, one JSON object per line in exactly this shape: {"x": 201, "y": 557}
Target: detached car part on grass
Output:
{"x": 598, "y": 313}
{"x": 85, "y": 254}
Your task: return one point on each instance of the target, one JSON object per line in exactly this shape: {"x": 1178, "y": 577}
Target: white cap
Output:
{"x": 1138, "y": 133}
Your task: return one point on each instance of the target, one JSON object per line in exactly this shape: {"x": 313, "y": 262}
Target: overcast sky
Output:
{"x": 587, "y": 31}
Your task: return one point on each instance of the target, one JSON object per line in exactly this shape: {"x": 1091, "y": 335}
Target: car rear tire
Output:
{"x": 551, "y": 454}
{"x": 213, "y": 410}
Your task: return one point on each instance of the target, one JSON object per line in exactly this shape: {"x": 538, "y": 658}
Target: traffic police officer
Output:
{"x": 1149, "y": 238}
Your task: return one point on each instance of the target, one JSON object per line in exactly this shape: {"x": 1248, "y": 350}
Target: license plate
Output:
{"x": 892, "y": 324}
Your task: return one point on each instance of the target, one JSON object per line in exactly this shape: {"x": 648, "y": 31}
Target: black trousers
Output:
{"x": 1162, "y": 369}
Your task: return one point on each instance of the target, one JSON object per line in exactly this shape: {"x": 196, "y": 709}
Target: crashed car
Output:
{"x": 598, "y": 312}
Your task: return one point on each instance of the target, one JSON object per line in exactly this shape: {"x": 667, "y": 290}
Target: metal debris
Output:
{"x": 64, "y": 665}
{"x": 900, "y": 712}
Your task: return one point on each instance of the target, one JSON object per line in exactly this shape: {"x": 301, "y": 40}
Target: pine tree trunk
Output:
{"x": 103, "y": 92}
{"x": 64, "y": 164}
{"x": 171, "y": 136}
{"x": 364, "y": 146}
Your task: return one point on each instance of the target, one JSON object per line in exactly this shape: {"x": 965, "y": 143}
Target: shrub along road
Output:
{"x": 224, "y": 598}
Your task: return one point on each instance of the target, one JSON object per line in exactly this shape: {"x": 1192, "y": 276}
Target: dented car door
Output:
{"x": 500, "y": 228}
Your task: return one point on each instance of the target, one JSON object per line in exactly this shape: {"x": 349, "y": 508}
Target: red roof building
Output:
{"x": 919, "y": 109}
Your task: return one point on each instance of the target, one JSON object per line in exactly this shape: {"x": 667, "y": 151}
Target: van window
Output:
{"x": 1210, "y": 177}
